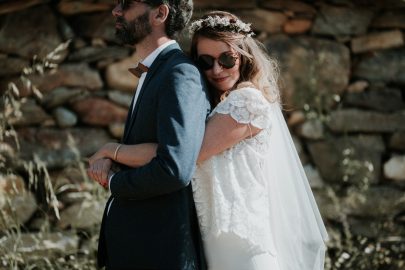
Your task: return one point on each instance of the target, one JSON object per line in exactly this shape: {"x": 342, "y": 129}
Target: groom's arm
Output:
{"x": 182, "y": 110}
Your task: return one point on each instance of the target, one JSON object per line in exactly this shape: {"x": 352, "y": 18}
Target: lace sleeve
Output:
{"x": 246, "y": 106}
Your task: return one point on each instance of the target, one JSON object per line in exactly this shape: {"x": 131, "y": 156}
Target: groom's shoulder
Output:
{"x": 179, "y": 59}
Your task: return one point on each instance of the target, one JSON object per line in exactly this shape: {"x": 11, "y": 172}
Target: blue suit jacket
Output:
{"x": 152, "y": 222}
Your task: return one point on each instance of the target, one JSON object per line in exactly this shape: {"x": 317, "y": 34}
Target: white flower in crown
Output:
{"x": 222, "y": 23}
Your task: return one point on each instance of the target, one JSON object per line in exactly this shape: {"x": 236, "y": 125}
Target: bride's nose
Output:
{"x": 216, "y": 69}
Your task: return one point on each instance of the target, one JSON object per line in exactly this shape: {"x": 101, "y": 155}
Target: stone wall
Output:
{"x": 67, "y": 90}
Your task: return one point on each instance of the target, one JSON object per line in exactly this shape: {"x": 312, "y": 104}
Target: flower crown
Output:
{"x": 222, "y": 23}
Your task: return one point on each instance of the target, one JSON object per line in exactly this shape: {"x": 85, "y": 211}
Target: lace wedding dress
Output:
{"x": 253, "y": 200}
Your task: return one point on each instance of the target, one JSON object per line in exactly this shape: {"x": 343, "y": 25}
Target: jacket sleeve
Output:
{"x": 182, "y": 109}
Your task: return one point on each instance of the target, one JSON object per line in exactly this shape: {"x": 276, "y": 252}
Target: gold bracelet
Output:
{"x": 116, "y": 151}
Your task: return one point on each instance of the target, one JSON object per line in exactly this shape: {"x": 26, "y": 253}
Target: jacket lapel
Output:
{"x": 129, "y": 118}
{"x": 160, "y": 59}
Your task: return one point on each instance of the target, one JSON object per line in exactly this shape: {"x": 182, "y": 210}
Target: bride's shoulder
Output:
{"x": 247, "y": 93}
{"x": 247, "y": 105}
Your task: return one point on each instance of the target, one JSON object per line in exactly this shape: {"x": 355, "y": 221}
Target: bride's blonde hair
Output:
{"x": 257, "y": 69}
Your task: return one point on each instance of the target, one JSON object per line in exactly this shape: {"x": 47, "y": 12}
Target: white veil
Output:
{"x": 298, "y": 230}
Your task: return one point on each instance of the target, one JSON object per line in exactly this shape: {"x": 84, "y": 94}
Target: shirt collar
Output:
{"x": 148, "y": 61}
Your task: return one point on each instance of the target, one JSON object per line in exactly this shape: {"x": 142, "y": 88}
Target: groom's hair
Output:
{"x": 180, "y": 12}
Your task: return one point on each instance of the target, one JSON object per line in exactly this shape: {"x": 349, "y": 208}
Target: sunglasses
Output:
{"x": 225, "y": 60}
{"x": 125, "y": 4}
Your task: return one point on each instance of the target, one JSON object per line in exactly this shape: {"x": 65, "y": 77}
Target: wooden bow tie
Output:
{"x": 140, "y": 68}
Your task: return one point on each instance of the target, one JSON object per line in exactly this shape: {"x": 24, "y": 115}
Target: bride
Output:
{"x": 255, "y": 207}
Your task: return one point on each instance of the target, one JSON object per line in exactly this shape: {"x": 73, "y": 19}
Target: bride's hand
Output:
{"x": 107, "y": 151}
{"x": 100, "y": 171}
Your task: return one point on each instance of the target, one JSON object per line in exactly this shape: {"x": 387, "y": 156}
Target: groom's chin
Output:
{"x": 123, "y": 38}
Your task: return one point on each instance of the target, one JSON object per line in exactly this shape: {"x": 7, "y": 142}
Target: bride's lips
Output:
{"x": 219, "y": 80}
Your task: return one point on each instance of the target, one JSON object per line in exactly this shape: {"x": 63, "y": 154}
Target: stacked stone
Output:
{"x": 342, "y": 78}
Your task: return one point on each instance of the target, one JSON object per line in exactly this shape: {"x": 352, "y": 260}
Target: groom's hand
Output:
{"x": 100, "y": 170}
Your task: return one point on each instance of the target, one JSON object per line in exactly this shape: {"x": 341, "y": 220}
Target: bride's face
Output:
{"x": 219, "y": 62}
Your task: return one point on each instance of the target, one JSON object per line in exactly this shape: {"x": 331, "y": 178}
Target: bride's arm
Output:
{"x": 223, "y": 132}
{"x": 135, "y": 155}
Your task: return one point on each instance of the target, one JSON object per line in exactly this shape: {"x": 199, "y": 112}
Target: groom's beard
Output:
{"x": 134, "y": 31}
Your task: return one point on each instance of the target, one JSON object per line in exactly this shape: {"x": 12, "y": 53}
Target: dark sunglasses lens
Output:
{"x": 123, "y": 3}
{"x": 205, "y": 62}
{"x": 227, "y": 60}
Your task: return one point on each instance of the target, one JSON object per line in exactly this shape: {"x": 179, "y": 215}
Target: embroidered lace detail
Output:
{"x": 246, "y": 106}
{"x": 229, "y": 188}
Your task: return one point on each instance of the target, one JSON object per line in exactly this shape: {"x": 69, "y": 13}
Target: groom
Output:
{"x": 150, "y": 220}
